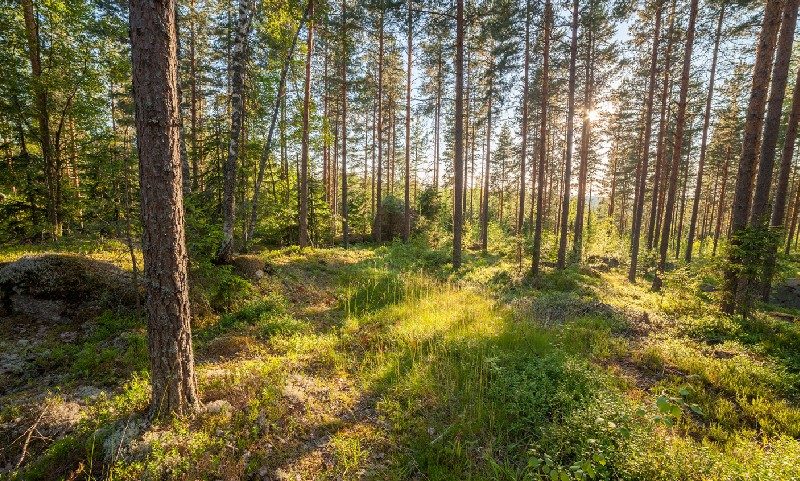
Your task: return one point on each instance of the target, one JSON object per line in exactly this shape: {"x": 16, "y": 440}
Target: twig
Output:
{"x": 29, "y": 433}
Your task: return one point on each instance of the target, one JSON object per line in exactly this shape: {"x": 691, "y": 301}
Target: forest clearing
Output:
{"x": 399, "y": 240}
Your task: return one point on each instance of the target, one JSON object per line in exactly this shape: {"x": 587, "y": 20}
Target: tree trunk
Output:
{"x": 641, "y": 180}
{"x": 680, "y": 124}
{"x": 487, "y": 172}
{"x": 524, "y": 126}
{"x": 779, "y": 209}
{"x": 407, "y": 190}
{"x": 304, "y": 191}
{"x": 458, "y": 168}
{"x": 154, "y": 59}
{"x": 41, "y": 101}
{"x": 780, "y": 73}
{"x": 721, "y": 207}
{"x": 537, "y": 233}
{"x": 573, "y": 54}
{"x": 586, "y": 132}
{"x": 378, "y": 225}
{"x": 754, "y": 121}
{"x": 703, "y": 142}
{"x": 662, "y": 133}
{"x": 237, "y": 67}
{"x": 267, "y": 150}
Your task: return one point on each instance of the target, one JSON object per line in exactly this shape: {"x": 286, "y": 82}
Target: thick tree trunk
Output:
{"x": 680, "y": 124}
{"x": 237, "y": 67}
{"x": 537, "y": 232}
{"x": 154, "y": 59}
{"x": 458, "y": 168}
{"x": 759, "y": 215}
{"x": 638, "y": 207}
{"x": 779, "y": 209}
{"x": 304, "y": 190}
{"x": 704, "y": 140}
{"x": 573, "y": 54}
{"x": 754, "y": 121}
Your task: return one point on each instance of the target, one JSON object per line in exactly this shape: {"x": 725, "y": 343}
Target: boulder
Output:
{"x": 62, "y": 287}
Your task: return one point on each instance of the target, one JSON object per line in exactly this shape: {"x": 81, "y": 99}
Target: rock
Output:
{"x": 69, "y": 336}
{"x": 60, "y": 287}
{"x": 218, "y": 406}
{"x": 787, "y": 294}
{"x": 706, "y": 287}
{"x": 88, "y": 393}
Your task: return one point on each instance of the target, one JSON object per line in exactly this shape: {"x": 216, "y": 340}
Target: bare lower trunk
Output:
{"x": 154, "y": 60}
{"x": 743, "y": 191}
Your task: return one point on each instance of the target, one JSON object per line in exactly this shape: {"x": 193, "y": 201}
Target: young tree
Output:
{"x": 680, "y": 125}
{"x": 154, "y": 57}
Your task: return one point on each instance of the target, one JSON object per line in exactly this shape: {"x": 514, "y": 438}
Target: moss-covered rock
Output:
{"x": 61, "y": 287}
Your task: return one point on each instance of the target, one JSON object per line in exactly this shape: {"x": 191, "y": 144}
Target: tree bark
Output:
{"x": 267, "y": 150}
{"x": 304, "y": 191}
{"x": 754, "y": 121}
{"x": 524, "y": 126}
{"x": 573, "y": 54}
{"x": 638, "y": 207}
{"x": 680, "y": 125}
{"x": 237, "y": 67}
{"x": 662, "y": 133}
{"x": 487, "y": 172}
{"x": 378, "y": 224}
{"x": 537, "y": 232}
{"x": 458, "y": 168}
{"x": 41, "y": 101}
{"x": 407, "y": 189}
{"x": 781, "y": 190}
{"x": 154, "y": 60}
{"x": 704, "y": 140}
{"x": 345, "y": 226}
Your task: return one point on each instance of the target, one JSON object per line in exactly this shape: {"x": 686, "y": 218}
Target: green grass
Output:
{"x": 384, "y": 364}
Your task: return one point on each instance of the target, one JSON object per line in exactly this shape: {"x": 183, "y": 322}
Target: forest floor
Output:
{"x": 381, "y": 363}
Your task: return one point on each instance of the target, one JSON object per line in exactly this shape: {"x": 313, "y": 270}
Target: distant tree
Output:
{"x": 677, "y": 146}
